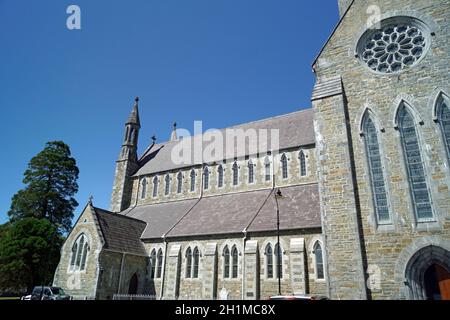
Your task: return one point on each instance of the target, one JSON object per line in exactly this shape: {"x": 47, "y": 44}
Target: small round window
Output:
{"x": 401, "y": 42}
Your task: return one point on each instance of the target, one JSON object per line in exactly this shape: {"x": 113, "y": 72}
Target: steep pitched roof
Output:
{"x": 251, "y": 211}
{"x": 299, "y": 209}
{"x": 161, "y": 217}
{"x": 295, "y": 129}
{"x": 222, "y": 214}
{"x": 121, "y": 233}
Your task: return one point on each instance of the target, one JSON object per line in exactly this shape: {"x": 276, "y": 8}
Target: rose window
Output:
{"x": 394, "y": 47}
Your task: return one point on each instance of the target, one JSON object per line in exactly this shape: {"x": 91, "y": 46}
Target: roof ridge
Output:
{"x": 236, "y": 125}
{"x": 270, "y": 118}
{"x": 116, "y": 214}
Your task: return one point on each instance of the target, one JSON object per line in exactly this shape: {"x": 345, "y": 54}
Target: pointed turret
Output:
{"x": 134, "y": 115}
{"x": 127, "y": 163}
{"x": 173, "y": 136}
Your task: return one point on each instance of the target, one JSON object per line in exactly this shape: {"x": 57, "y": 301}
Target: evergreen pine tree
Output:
{"x": 51, "y": 183}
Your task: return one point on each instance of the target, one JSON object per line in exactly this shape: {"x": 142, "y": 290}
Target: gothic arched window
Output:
{"x": 251, "y": 173}
{"x": 196, "y": 263}
{"x": 126, "y": 133}
{"x": 226, "y": 262}
{"x": 155, "y": 187}
{"x": 206, "y": 178}
{"x": 414, "y": 163}
{"x": 234, "y": 259}
{"x": 153, "y": 264}
{"x": 74, "y": 255}
{"x": 267, "y": 174}
{"x": 167, "y": 185}
{"x": 284, "y": 166}
{"x": 443, "y": 114}
{"x": 318, "y": 257}
{"x": 132, "y": 135}
{"x": 376, "y": 173}
{"x": 235, "y": 174}
{"x": 144, "y": 188}
{"x": 160, "y": 262}
{"x": 279, "y": 260}
{"x": 192, "y": 180}
{"x": 302, "y": 160}
{"x": 220, "y": 176}
{"x": 269, "y": 261}
{"x": 79, "y": 254}
{"x": 188, "y": 263}
{"x": 179, "y": 182}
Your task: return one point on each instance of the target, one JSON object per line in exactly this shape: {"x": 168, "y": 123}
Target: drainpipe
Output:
{"x": 163, "y": 278}
{"x": 243, "y": 262}
{"x": 137, "y": 192}
{"x": 120, "y": 274}
{"x": 273, "y": 171}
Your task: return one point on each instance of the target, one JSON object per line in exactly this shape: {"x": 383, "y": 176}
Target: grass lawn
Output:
{"x": 9, "y": 298}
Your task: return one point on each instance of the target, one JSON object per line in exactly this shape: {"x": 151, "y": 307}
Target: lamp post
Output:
{"x": 278, "y": 195}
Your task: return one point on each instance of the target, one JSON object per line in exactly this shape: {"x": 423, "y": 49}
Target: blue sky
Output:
{"x": 224, "y": 62}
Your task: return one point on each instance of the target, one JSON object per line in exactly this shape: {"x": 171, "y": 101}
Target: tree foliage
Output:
{"x": 29, "y": 254}
{"x": 51, "y": 183}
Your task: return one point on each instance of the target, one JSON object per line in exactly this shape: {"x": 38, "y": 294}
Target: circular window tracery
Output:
{"x": 400, "y": 43}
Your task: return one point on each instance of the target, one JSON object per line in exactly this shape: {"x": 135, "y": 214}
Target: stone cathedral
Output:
{"x": 359, "y": 181}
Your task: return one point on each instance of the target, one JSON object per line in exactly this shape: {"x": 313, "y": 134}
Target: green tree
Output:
{"x": 29, "y": 254}
{"x": 3, "y": 228}
{"x": 51, "y": 183}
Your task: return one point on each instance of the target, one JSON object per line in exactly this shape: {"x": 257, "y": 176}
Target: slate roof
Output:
{"x": 222, "y": 214}
{"x": 160, "y": 218}
{"x": 299, "y": 209}
{"x": 253, "y": 211}
{"x": 121, "y": 233}
{"x": 295, "y": 129}
{"x": 134, "y": 115}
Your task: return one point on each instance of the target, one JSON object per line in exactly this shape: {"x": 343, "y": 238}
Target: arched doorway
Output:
{"x": 133, "y": 286}
{"x": 437, "y": 283}
{"x": 428, "y": 274}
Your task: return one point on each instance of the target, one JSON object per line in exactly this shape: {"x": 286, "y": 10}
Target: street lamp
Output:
{"x": 278, "y": 195}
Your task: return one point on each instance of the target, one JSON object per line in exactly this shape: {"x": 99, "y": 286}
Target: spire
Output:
{"x": 134, "y": 116}
{"x": 173, "y": 136}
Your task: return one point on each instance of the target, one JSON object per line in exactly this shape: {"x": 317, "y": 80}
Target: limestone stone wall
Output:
{"x": 80, "y": 284}
{"x": 138, "y": 265}
{"x": 108, "y": 284}
{"x": 298, "y": 267}
{"x": 417, "y": 86}
{"x": 155, "y": 283}
{"x": 115, "y": 275}
{"x": 121, "y": 197}
{"x": 338, "y": 203}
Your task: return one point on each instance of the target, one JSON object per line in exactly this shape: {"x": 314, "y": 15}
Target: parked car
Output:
{"x": 299, "y": 297}
{"x": 49, "y": 293}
